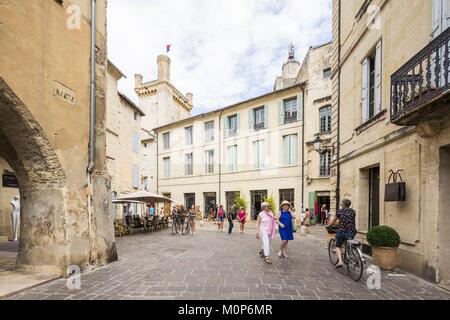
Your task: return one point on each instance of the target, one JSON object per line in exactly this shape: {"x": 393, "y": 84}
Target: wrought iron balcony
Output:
{"x": 259, "y": 126}
{"x": 290, "y": 117}
{"x": 420, "y": 88}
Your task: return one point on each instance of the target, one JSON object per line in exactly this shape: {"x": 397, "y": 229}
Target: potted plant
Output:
{"x": 385, "y": 242}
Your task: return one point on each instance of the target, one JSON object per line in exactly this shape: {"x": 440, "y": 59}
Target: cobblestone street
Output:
{"x": 213, "y": 265}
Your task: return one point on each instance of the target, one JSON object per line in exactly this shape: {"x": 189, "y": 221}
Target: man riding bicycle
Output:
{"x": 347, "y": 228}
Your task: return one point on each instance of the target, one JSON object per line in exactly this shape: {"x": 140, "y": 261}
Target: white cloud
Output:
{"x": 222, "y": 51}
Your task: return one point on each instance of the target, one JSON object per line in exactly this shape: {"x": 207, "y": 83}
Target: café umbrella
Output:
{"x": 145, "y": 196}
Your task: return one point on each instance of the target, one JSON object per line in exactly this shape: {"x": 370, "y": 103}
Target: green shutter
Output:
{"x": 280, "y": 112}
{"x": 238, "y": 122}
{"x": 300, "y": 107}
{"x": 285, "y": 150}
{"x": 312, "y": 201}
{"x": 251, "y": 120}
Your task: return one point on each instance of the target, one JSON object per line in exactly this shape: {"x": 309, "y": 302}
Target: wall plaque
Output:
{"x": 64, "y": 93}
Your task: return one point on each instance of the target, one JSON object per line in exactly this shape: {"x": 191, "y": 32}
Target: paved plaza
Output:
{"x": 213, "y": 265}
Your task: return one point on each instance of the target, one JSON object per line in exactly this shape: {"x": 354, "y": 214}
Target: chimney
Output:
{"x": 138, "y": 80}
{"x": 163, "y": 68}
{"x": 190, "y": 98}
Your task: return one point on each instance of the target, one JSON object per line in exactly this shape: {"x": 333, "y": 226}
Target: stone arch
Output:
{"x": 42, "y": 182}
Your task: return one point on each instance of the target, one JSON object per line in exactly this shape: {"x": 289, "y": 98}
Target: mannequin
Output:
{"x": 15, "y": 218}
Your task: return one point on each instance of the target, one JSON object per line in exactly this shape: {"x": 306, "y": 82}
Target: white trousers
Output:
{"x": 265, "y": 238}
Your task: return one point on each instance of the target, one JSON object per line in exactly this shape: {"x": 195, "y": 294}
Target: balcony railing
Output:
{"x": 420, "y": 82}
{"x": 290, "y": 117}
{"x": 259, "y": 126}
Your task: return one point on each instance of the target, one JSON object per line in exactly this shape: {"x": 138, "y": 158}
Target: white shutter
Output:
{"x": 446, "y": 15}
{"x": 225, "y": 127}
{"x": 286, "y": 150}
{"x": 262, "y": 153}
{"x": 281, "y": 112}
{"x": 135, "y": 176}
{"x": 255, "y": 155}
{"x": 378, "y": 67}
{"x": 238, "y": 127}
{"x": 437, "y": 17}
{"x": 266, "y": 116}
{"x": 294, "y": 154}
{"x": 365, "y": 90}
{"x": 251, "y": 119}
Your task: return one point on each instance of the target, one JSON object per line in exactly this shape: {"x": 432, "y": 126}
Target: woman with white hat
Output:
{"x": 285, "y": 227}
{"x": 265, "y": 230}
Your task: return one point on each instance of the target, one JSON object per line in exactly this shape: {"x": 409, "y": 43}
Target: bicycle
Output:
{"x": 175, "y": 225}
{"x": 188, "y": 227}
{"x": 352, "y": 256}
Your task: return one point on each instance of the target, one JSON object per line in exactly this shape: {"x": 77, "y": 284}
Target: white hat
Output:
{"x": 264, "y": 204}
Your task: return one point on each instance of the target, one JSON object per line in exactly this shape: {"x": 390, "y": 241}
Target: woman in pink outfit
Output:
{"x": 241, "y": 216}
{"x": 265, "y": 231}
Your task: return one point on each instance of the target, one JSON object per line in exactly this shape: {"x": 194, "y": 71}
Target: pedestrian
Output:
{"x": 307, "y": 221}
{"x": 241, "y": 216}
{"x": 151, "y": 211}
{"x": 220, "y": 218}
{"x": 230, "y": 222}
{"x": 323, "y": 214}
{"x": 161, "y": 212}
{"x": 286, "y": 227}
{"x": 265, "y": 230}
{"x": 192, "y": 216}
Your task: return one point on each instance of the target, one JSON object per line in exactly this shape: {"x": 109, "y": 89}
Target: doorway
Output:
{"x": 231, "y": 199}
{"x": 210, "y": 202}
{"x": 443, "y": 273}
{"x": 374, "y": 197}
{"x": 257, "y": 197}
{"x": 189, "y": 200}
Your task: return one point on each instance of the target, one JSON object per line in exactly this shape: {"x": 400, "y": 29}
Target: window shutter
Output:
{"x": 365, "y": 90}
{"x": 251, "y": 119}
{"x": 281, "y": 112}
{"x": 286, "y": 150}
{"x": 266, "y": 116}
{"x": 300, "y": 107}
{"x": 378, "y": 67}
{"x": 437, "y": 17}
{"x": 238, "y": 126}
{"x": 294, "y": 147}
{"x": 225, "y": 127}
{"x": 262, "y": 153}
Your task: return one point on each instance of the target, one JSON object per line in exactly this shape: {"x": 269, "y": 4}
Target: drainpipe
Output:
{"x": 93, "y": 89}
{"x": 303, "y": 149}
{"x": 220, "y": 159}
{"x": 338, "y": 145}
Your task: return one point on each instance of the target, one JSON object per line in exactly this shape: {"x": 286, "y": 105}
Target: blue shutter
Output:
{"x": 266, "y": 116}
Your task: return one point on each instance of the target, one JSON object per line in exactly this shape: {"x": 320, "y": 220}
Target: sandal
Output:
{"x": 261, "y": 254}
{"x": 267, "y": 260}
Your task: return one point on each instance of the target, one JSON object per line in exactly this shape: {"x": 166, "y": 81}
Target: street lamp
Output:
{"x": 319, "y": 147}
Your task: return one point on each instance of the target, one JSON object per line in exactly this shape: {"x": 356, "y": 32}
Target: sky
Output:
{"x": 222, "y": 51}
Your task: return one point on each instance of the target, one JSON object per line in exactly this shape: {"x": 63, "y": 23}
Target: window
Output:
{"x": 371, "y": 84}
{"x": 258, "y": 154}
{"x": 232, "y": 158}
{"x": 135, "y": 176}
{"x": 166, "y": 165}
{"x": 325, "y": 119}
{"x": 188, "y": 133}
{"x": 209, "y": 161}
{"x": 259, "y": 116}
{"x": 231, "y": 126}
{"x": 290, "y": 110}
{"x": 166, "y": 140}
{"x": 135, "y": 142}
{"x": 290, "y": 149}
{"x": 145, "y": 183}
{"x": 327, "y": 73}
{"x": 287, "y": 195}
{"x": 189, "y": 163}
{"x": 325, "y": 161}
{"x": 209, "y": 131}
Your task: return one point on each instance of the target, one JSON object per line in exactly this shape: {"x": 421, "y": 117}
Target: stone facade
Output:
{"x": 44, "y": 133}
{"x": 161, "y": 101}
{"x": 123, "y": 143}
{"x": 370, "y": 148}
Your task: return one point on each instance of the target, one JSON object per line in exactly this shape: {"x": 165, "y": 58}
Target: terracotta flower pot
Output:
{"x": 385, "y": 258}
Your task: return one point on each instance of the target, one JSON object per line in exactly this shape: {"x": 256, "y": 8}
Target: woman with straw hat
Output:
{"x": 285, "y": 227}
{"x": 265, "y": 230}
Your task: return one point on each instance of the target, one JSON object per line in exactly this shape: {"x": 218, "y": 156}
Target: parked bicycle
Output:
{"x": 352, "y": 256}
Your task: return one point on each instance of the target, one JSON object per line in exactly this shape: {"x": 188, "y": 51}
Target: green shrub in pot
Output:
{"x": 383, "y": 237}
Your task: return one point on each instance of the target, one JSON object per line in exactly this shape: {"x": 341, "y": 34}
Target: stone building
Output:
{"x": 45, "y": 50}
{"x": 161, "y": 101}
{"x": 252, "y": 148}
{"x": 391, "y": 112}
{"x": 123, "y": 139}
{"x": 315, "y": 72}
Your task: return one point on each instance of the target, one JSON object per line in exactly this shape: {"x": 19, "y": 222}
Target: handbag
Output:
{"x": 395, "y": 191}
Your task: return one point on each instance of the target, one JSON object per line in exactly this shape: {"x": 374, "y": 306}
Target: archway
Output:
{"x": 43, "y": 243}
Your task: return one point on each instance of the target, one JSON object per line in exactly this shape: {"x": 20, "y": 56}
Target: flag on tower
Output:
{"x": 168, "y": 48}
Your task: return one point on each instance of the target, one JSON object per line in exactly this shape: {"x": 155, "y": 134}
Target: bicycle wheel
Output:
{"x": 332, "y": 251}
{"x": 174, "y": 228}
{"x": 188, "y": 229}
{"x": 355, "y": 264}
